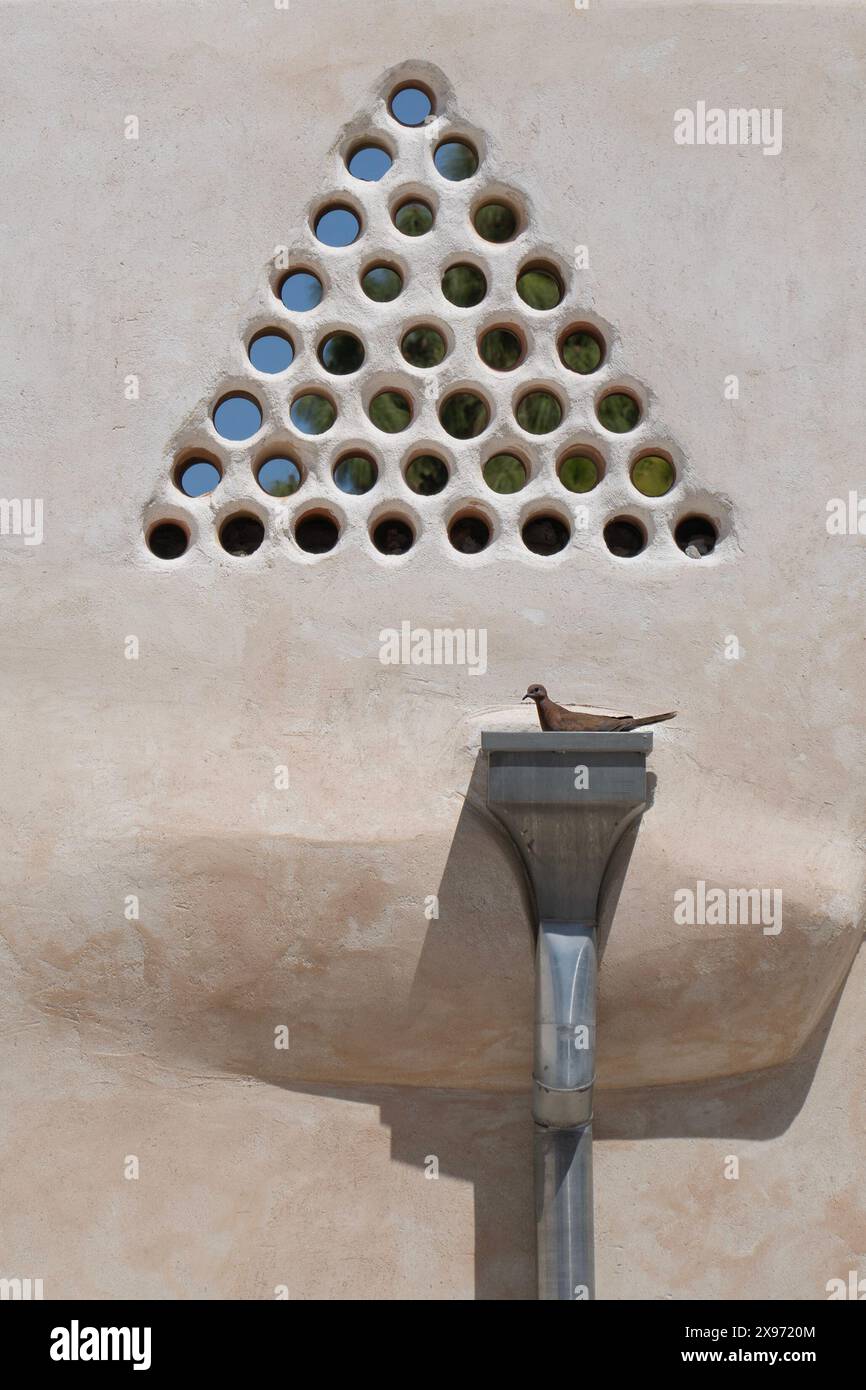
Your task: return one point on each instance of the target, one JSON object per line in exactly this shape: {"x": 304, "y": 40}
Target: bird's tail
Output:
{"x": 653, "y": 719}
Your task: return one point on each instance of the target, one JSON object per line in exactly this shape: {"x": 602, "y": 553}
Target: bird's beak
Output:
{"x": 525, "y": 697}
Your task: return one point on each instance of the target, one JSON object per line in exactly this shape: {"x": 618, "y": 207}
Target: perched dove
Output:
{"x": 557, "y": 719}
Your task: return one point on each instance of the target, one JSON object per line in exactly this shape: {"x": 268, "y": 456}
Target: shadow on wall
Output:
{"x": 760, "y": 1105}
{"x": 486, "y": 1138}
{"x": 482, "y": 1139}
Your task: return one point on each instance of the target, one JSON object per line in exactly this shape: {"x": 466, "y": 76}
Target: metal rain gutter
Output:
{"x": 565, "y": 801}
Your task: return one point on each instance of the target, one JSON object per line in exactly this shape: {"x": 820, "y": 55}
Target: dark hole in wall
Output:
{"x": 697, "y": 536}
{"x": 469, "y": 534}
{"x": 317, "y": 533}
{"x": 624, "y": 537}
{"x": 241, "y": 535}
{"x": 545, "y": 535}
{"x": 393, "y": 536}
{"x": 168, "y": 541}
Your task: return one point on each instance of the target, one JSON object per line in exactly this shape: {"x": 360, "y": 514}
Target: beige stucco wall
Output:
{"x": 305, "y": 906}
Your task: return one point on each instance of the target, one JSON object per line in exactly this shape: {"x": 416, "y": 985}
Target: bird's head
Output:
{"x": 535, "y": 692}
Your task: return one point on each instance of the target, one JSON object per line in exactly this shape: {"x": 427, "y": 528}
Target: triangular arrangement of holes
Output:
{"x": 416, "y": 361}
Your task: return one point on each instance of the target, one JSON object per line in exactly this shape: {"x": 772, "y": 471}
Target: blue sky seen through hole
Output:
{"x": 301, "y": 291}
{"x": 337, "y": 227}
{"x": 198, "y": 477}
{"x": 369, "y": 163}
{"x": 411, "y": 106}
{"x": 271, "y": 352}
{"x": 237, "y": 417}
{"x": 280, "y": 477}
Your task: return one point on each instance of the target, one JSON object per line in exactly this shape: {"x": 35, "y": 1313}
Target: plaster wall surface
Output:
{"x": 304, "y": 906}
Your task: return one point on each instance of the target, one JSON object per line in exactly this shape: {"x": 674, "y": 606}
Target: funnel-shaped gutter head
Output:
{"x": 565, "y": 800}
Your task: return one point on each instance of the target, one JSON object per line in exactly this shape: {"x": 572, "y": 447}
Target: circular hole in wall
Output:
{"x": 464, "y": 415}
{"x": 619, "y": 412}
{"x": 456, "y": 160}
{"x": 653, "y": 474}
{"x": 469, "y": 533}
{"x": 197, "y": 476}
{"x": 413, "y": 218}
{"x": 501, "y": 349}
{"x": 582, "y": 350}
{"x": 279, "y": 476}
{"x": 167, "y": 540}
{"x": 423, "y": 347}
{"x": 271, "y": 351}
{"x": 393, "y": 535}
{"x": 237, "y": 417}
{"x": 369, "y": 162}
{"x": 312, "y": 413}
{"x": 697, "y": 536}
{"x": 426, "y": 474}
{"x": 505, "y": 473}
{"x": 355, "y": 473}
{"x": 391, "y": 411}
{"x": 317, "y": 532}
{"x": 301, "y": 291}
{"x": 337, "y": 226}
{"x": 495, "y": 221}
{"x": 545, "y": 534}
{"x": 411, "y": 105}
{"x": 624, "y": 537}
{"x": 579, "y": 471}
{"x": 540, "y": 287}
{"x": 464, "y": 285}
{"x": 382, "y": 283}
{"x": 341, "y": 353}
{"x": 539, "y": 412}
{"x": 241, "y": 534}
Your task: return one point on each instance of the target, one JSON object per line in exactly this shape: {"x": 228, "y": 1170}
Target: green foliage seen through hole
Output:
{"x": 382, "y": 283}
{"x": 413, "y": 219}
{"x": 312, "y": 414}
{"x": 582, "y": 352}
{"x": 356, "y": 474}
{"x": 653, "y": 475}
{"x": 495, "y": 222}
{"x": 505, "y": 473}
{"x": 619, "y": 412}
{"x": 578, "y": 473}
{"x": 423, "y": 347}
{"x": 390, "y": 411}
{"x": 501, "y": 349}
{"x": 464, "y": 415}
{"x": 539, "y": 412}
{"x": 341, "y": 353}
{"x": 464, "y": 285}
{"x": 540, "y": 289}
{"x": 426, "y": 475}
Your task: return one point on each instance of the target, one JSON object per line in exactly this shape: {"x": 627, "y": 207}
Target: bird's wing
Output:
{"x": 597, "y": 709}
